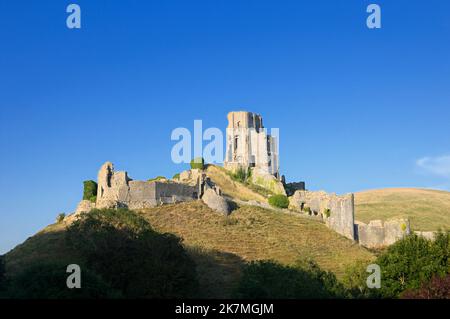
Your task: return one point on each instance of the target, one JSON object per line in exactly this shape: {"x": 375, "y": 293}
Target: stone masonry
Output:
{"x": 338, "y": 212}
{"x": 116, "y": 189}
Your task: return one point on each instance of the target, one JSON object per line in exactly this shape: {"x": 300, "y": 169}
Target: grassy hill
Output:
{"x": 428, "y": 210}
{"x": 220, "y": 245}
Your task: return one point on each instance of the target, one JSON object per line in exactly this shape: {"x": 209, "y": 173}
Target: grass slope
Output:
{"x": 427, "y": 210}
{"x": 219, "y": 245}
{"x": 253, "y": 233}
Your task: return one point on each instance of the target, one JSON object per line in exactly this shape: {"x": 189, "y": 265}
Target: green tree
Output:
{"x": 269, "y": 279}
{"x": 198, "y": 163}
{"x": 129, "y": 255}
{"x": 90, "y": 191}
{"x": 2, "y": 274}
{"x": 412, "y": 261}
{"x": 48, "y": 281}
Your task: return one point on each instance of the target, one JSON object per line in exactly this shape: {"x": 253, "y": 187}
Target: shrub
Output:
{"x": 279, "y": 201}
{"x": 176, "y": 176}
{"x": 198, "y": 163}
{"x": 327, "y": 212}
{"x": 268, "y": 279}
{"x": 241, "y": 175}
{"x": 129, "y": 255}
{"x": 90, "y": 191}
{"x": 60, "y": 218}
{"x": 306, "y": 209}
{"x": 355, "y": 281}
{"x": 411, "y": 261}
{"x": 157, "y": 178}
{"x": 437, "y": 288}
{"x": 48, "y": 281}
{"x": 2, "y": 274}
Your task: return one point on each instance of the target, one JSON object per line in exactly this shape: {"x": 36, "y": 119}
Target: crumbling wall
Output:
{"x": 116, "y": 189}
{"x": 378, "y": 234}
{"x": 338, "y": 212}
{"x": 430, "y": 235}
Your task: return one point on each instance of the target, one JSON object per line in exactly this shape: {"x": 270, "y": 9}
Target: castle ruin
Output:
{"x": 249, "y": 145}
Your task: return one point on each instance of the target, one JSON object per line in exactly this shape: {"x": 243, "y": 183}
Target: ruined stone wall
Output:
{"x": 378, "y": 234}
{"x": 116, "y": 189}
{"x": 337, "y": 211}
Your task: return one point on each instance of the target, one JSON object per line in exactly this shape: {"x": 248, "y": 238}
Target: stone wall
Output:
{"x": 337, "y": 211}
{"x": 378, "y": 234}
{"x": 431, "y": 235}
{"x": 116, "y": 189}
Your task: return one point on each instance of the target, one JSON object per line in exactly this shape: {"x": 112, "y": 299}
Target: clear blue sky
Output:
{"x": 357, "y": 108}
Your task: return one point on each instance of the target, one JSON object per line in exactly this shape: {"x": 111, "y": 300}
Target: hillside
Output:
{"x": 220, "y": 245}
{"x": 428, "y": 210}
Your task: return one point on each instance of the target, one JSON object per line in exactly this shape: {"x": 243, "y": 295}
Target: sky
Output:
{"x": 357, "y": 108}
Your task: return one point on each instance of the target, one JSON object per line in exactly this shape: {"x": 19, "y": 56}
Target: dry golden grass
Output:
{"x": 253, "y": 233}
{"x": 219, "y": 245}
{"x": 232, "y": 188}
{"x": 427, "y": 210}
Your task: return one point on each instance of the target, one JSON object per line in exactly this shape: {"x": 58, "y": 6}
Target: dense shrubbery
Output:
{"x": 120, "y": 255}
{"x": 176, "y": 176}
{"x": 90, "y": 191}
{"x": 437, "y": 288}
{"x": 405, "y": 266}
{"x": 279, "y": 201}
{"x": 198, "y": 163}
{"x": 304, "y": 280}
{"x": 412, "y": 261}
{"x": 122, "y": 248}
{"x": 48, "y": 281}
{"x": 2, "y": 274}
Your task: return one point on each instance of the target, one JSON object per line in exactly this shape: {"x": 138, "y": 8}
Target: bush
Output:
{"x": 437, "y": 288}
{"x": 327, "y": 212}
{"x": 2, "y": 274}
{"x": 176, "y": 176}
{"x": 48, "y": 281}
{"x": 412, "y": 261}
{"x": 60, "y": 218}
{"x": 268, "y": 279}
{"x": 241, "y": 175}
{"x": 279, "y": 201}
{"x": 157, "y": 178}
{"x": 90, "y": 191}
{"x": 198, "y": 163}
{"x": 355, "y": 281}
{"x": 128, "y": 254}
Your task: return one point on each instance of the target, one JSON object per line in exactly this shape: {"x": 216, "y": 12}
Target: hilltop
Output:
{"x": 220, "y": 245}
{"x": 428, "y": 210}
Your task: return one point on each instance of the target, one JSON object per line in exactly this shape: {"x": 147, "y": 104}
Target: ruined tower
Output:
{"x": 249, "y": 145}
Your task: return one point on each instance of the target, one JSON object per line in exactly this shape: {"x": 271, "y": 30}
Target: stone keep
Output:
{"x": 249, "y": 145}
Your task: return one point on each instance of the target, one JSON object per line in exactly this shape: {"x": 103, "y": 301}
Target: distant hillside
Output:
{"x": 428, "y": 210}
{"x": 220, "y": 245}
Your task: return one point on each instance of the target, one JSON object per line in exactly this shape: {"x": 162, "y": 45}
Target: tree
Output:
{"x": 304, "y": 280}
{"x": 128, "y": 254}
{"x": 2, "y": 273}
{"x": 412, "y": 261}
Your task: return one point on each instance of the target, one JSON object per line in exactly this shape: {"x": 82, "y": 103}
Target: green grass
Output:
{"x": 428, "y": 210}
